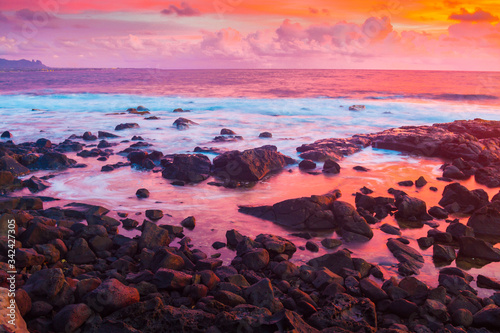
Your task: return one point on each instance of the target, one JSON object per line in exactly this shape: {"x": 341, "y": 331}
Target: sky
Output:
{"x": 364, "y": 34}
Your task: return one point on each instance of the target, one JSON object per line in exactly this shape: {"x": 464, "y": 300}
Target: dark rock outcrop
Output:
{"x": 249, "y": 165}
{"x": 192, "y": 168}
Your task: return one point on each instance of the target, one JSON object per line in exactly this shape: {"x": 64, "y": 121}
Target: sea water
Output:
{"x": 297, "y": 107}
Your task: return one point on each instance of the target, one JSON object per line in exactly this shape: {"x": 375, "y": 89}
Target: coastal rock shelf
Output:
{"x": 473, "y": 145}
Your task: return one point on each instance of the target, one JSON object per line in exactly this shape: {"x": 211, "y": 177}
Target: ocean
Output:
{"x": 297, "y": 106}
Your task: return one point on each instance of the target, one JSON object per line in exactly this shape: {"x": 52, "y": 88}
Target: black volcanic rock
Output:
{"x": 302, "y": 213}
{"x": 183, "y": 123}
{"x": 457, "y": 195}
{"x": 477, "y": 248}
{"x": 121, "y": 127}
{"x": 250, "y": 165}
{"x": 192, "y": 168}
{"x": 486, "y": 221}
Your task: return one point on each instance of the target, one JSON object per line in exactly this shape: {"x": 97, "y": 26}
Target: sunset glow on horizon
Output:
{"x": 422, "y": 34}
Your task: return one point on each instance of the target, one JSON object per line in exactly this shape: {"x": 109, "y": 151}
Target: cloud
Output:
{"x": 315, "y": 11}
{"x": 3, "y": 18}
{"x": 478, "y": 16}
{"x": 184, "y": 10}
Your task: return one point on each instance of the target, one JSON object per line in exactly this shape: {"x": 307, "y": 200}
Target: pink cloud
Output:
{"x": 184, "y": 10}
{"x": 478, "y": 16}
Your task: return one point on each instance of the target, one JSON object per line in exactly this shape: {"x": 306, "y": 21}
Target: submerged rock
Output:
{"x": 183, "y": 123}
{"x": 265, "y": 135}
{"x": 121, "y": 127}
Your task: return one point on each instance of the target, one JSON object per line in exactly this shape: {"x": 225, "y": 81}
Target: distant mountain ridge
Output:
{"x": 21, "y": 64}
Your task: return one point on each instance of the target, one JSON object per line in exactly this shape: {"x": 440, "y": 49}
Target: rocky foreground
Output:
{"x": 86, "y": 277}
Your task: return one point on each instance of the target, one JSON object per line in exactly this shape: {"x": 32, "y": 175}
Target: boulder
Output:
{"x": 443, "y": 253}
{"x": 307, "y": 165}
{"x": 81, "y": 210}
{"x": 142, "y": 193}
{"x": 183, "y": 123}
{"x": 349, "y": 221}
{"x": 453, "y": 172}
{"x": 154, "y": 214}
{"x": 49, "y": 285}
{"x": 486, "y": 221}
{"x": 152, "y": 236}
{"x": 458, "y": 230}
{"x": 256, "y": 259}
{"x": 330, "y": 166}
{"x": 261, "y": 294}
{"x": 467, "y": 201}
{"x": 71, "y": 317}
{"x": 488, "y": 317}
{"x": 420, "y": 182}
{"x": 165, "y": 258}
{"x": 487, "y": 282}
{"x": 410, "y": 207}
{"x": 39, "y": 233}
{"x": 477, "y": 248}
{"x": 410, "y": 260}
{"x": 249, "y": 165}
{"x": 346, "y": 314}
{"x": 111, "y": 296}
{"x": 43, "y": 143}
{"x": 171, "y": 279}
{"x": 35, "y": 184}
{"x": 121, "y": 127}
{"x": 189, "y": 222}
{"x": 88, "y": 136}
{"x": 80, "y": 253}
{"x": 192, "y": 168}
{"x": 9, "y": 164}
{"x": 52, "y": 161}
{"x": 28, "y": 258}
{"x": 336, "y": 262}
{"x": 489, "y": 176}
{"x": 438, "y": 212}
{"x": 6, "y": 178}
{"x": 103, "y": 134}
{"x": 302, "y": 213}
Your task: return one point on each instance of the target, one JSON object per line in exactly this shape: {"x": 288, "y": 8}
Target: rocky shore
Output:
{"x": 76, "y": 272}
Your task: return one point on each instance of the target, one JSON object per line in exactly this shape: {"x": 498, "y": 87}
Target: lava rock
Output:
{"x": 122, "y": 127}
{"x": 249, "y": 165}
{"x": 142, "y": 193}
{"x": 307, "y": 165}
{"x": 183, "y": 123}
{"x": 189, "y": 222}
{"x": 71, "y": 317}
{"x": 477, "y": 248}
{"x": 111, "y": 296}
{"x": 192, "y": 168}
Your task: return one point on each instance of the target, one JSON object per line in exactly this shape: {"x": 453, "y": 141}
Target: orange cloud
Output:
{"x": 478, "y": 16}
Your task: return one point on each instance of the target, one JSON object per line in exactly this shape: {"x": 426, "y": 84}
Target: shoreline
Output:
{"x": 175, "y": 279}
